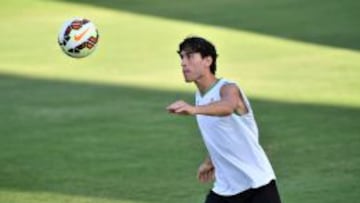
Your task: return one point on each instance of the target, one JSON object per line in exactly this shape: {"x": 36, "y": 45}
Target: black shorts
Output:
{"x": 264, "y": 194}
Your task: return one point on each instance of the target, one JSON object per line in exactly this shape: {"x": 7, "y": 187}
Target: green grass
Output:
{"x": 317, "y": 21}
{"x": 96, "y": 129}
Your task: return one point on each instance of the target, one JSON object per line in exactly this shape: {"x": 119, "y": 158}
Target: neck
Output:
{"x": 204, "y": 83}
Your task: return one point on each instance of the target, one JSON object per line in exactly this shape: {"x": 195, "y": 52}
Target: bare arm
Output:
{"x": 231, "y": 101}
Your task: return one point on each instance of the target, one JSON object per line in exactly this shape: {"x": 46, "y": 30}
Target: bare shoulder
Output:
{"x": 231, "y": 92}
{"x": 230, "y": 88}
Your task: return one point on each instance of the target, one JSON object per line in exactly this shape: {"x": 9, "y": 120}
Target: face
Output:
{"x": 193, "y": 65}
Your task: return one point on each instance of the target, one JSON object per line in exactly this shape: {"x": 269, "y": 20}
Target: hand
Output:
{"x": 181, "y": 108}
{"x": 206, "y": 172}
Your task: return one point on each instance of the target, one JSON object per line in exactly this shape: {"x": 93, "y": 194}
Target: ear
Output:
{"x": 208, "y": 61}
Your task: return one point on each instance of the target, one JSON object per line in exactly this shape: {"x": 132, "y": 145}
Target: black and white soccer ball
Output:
{"x": 78, "y": 37}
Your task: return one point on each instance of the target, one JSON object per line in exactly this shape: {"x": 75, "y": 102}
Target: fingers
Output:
{"x": 174, "y": 106}
{"x": 181, "y": 108}
{"x": 206, "y": 176}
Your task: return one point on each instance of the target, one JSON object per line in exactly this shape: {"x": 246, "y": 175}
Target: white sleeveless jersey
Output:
{"x": 233, "y": 146}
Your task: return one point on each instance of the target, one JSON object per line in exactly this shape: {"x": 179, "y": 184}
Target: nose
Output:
{"x": 183, "y": 62}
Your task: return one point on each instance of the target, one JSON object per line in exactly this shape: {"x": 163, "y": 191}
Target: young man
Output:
{"x": 236, "y": 161}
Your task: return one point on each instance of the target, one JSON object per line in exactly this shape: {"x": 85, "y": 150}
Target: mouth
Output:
{"x": 185, "y": 72}
{"x": 187, "y": 75}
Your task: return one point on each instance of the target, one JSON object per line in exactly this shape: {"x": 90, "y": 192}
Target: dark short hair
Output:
{"x": 202, "y": 46}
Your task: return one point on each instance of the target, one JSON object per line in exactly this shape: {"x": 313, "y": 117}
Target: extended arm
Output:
{"x": 231, "y": 101}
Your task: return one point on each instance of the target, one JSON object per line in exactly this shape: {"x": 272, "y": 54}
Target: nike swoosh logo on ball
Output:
{"x": 81, "y": 35}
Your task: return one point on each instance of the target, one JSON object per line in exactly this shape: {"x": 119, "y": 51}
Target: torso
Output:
{"x": 232, "y": 142}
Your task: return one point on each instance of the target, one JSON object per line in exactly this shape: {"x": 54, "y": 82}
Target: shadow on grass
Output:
{"x": 331, "y": 22}
{"x": 117, "y": 142}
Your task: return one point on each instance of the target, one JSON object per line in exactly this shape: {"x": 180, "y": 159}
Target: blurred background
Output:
{"x": 96, "y": 130}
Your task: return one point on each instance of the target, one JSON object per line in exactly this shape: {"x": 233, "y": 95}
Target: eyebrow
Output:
{"x": 186, "y": 53}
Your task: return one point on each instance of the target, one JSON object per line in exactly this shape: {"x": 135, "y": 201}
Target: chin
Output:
{"x": 188, "y": 80}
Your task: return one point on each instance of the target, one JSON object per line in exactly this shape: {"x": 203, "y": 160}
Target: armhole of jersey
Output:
{"x": 245, "y": 103}
{"x": 243, "y": 99}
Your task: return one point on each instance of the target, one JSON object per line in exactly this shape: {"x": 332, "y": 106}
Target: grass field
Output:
{"x": 96, "y": 129}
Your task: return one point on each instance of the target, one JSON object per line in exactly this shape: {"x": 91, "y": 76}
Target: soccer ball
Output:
{"x": 78, "y": 37}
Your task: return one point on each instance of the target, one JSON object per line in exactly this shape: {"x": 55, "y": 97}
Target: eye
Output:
{"x": 190, "y": 55}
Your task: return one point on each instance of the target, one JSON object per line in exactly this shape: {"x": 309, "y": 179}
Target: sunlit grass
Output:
{"x": 140, "y": 50}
